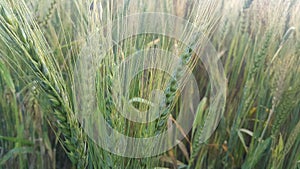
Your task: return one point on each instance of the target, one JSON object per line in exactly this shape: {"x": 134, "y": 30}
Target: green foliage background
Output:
{"x": 257, "y": 41}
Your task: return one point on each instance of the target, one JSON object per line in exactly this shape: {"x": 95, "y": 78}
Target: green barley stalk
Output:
{"x": 28, "y": 46}
{"x": 285, "y": 108}
{"x": 280, "y": 87}
{"x": 248, "y": 96}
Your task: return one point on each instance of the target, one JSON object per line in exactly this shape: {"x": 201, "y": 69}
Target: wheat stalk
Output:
{"x": 28, "y": 46}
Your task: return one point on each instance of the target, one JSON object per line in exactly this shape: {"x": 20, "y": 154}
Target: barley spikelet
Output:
{"x": 172, "y": 90}
{"x": 244, "y": 16}
{"x": 292, "y": 138}
{"x": 260, "y": 57}
{"x": 49, "y": 14}
{"x": 196, "y": 145}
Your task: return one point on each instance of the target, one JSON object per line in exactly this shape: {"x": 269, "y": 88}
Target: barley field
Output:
{"x": 183, "y": 84}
